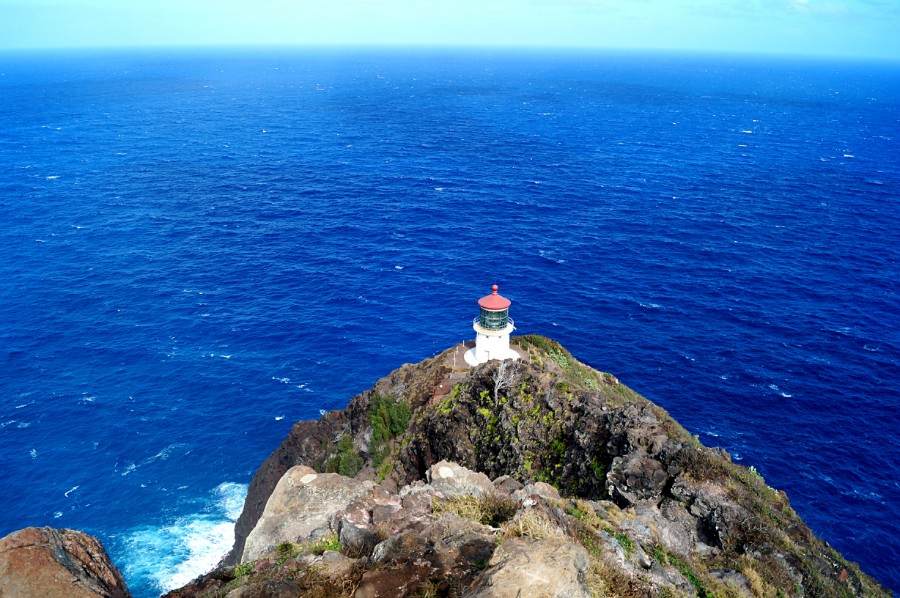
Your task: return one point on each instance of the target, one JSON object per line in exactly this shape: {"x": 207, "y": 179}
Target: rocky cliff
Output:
{"x": 532, "y": 478}
{"x": 48, "y": 563}
{"x": 554, "y": 471}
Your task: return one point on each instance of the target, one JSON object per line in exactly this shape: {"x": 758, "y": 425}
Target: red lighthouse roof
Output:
{"x": 494, "y": 301}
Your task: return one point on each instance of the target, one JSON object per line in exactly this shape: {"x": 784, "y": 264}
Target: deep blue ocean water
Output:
{"x": 199, "y": 248}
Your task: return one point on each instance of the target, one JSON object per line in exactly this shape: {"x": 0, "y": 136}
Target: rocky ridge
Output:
{"x": 533, "y": 478}
{"x": 684, "y": 519}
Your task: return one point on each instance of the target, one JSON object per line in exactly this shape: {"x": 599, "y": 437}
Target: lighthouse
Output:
{"x": 492, "y": 329}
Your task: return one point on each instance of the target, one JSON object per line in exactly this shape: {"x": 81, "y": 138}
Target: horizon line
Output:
{"x": 459, "y": 47}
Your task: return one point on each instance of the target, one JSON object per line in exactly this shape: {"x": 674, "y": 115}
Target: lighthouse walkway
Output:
{"x": 459, "y": 369}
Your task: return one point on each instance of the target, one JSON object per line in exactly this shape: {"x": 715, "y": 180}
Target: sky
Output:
{"x": 849, "y": 28}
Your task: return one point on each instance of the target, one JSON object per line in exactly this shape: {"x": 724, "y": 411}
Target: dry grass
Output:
{"x": 490, "y": 509}
{"x": 532, "y": 523}
{"x": 606, "y": 581}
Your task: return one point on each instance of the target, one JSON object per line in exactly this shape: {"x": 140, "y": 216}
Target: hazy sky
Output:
{"x": 829, "y": 27}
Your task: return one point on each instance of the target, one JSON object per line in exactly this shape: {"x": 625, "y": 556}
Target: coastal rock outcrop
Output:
{"x": 300, "y": 508}
{"x": 538, "y": 477}
{"x": 665, "y": 511}
{"x": 43, "y": 562}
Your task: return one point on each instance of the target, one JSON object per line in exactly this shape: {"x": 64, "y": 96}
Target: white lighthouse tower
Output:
{"x": 492, "y": 329}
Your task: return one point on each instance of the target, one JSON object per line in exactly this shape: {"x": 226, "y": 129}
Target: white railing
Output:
{"x": 509, "y": 322}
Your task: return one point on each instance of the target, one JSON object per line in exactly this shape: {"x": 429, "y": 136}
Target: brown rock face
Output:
{"x": 300, "y": 509}
{"x": 48, "y": 563}
{"x": 532, "y": 568}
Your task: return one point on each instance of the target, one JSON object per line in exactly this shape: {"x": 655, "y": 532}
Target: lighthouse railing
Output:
{"x": 477, "y": 322}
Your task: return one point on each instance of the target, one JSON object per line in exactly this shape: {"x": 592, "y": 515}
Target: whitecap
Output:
{"x": 278, "y": 418}
{"x": 746, "y": 131}
{"x": 785, "y": 395}
{"x": 33, "y": 453}
{"x": 168, "y": 556}
{"x": 873, "y": 349}
{"x": 57, "y": 514}
{"x": 849, "y": 156}
{"x": 52, "y": 177}
{"x": 282, "y": 380}
{"x": 398, "y": 267}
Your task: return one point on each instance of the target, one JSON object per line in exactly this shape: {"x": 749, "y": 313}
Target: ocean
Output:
{"x": 200, "y": 247}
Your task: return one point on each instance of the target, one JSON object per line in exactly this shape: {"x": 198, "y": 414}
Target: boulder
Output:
{"x": 270, "y": 588}
{"x": 636, "y": 477}
{"x": 396, "y": 583}
{"x": 453, "y": 480}
{"x": 451, "y": 544}
{"x": 542, "y": 489}
{"x": 301, "y": 508}
{"x": 530, "y": 568}
{"x": 46, "y": 562}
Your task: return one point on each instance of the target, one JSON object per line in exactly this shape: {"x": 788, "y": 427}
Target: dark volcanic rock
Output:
{"x": 46, "y": 563}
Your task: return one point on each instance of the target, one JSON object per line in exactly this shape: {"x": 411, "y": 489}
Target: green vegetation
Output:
{"x": 692, "y": 577}
{"x": 625, "y": 542}
{"x": 243, "y": 570}
{"x": 576, "y": 512}
{"x": 347, "y": 462}
{"x": 389, "y": 418}
{"x": 289, "y": 550}
{"x": 445, "y": 407}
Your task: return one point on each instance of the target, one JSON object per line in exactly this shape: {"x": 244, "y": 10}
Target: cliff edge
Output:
{"x": 531, "y": 478}
{"x": 641, "y": 507}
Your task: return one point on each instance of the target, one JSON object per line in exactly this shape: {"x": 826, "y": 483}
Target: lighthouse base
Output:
{"x": 490, "y": 344}
{"x": 473, "y": 360}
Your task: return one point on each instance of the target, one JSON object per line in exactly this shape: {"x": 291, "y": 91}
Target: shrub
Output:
{"x": 389, "y": 418}
{"x": 349, "y": 461}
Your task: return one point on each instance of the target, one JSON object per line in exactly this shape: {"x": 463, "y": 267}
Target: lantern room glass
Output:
{"x": 494, "y": 320}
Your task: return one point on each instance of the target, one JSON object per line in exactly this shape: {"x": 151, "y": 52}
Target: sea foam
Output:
{"x": 160, "y": 558}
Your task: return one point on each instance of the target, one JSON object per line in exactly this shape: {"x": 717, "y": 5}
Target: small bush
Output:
{"x": 243, "y": 570}
{"x": 327, "y": 542}
{"x": 389, "y": 418}
{"x": 347, "y": 462}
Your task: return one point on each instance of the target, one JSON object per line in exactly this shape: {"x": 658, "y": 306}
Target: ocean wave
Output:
{"x": 158, "y": 558}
